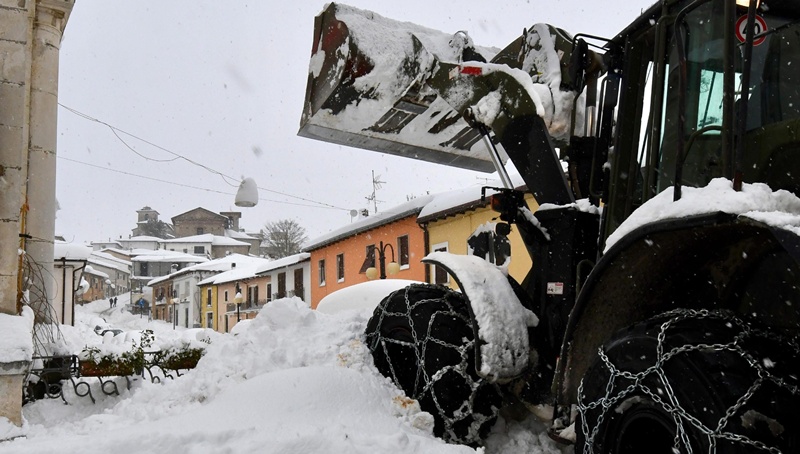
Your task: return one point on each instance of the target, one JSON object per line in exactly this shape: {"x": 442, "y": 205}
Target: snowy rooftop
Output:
{"x": 244, "y": 271}
{"x": 160, "y": 255}
{"x": 70, "y": 251}
{"x": 125, "y": 252}
{"x": 119, "y": 265}
{"x": 230, "y": 233}
{"x": 283, "y": 262}
{"x": 219, "y": 265}
{"x": 94, "y": 272}
{"x": 110, "y": 257}
{"x": 207, "y": 238}
{"x": 409, "y": 208}
{"x": 140, "y": 238}
{"x": 460, "y": 200}
{"x": 426, "y": 208}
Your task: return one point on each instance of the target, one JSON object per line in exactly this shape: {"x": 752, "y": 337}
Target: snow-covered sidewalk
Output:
{"x": 296, "y": 381}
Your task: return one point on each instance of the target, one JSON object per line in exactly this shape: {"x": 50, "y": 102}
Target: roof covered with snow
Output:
{"x": 242, "y": 272}
{"x": 110, "y": 262}
{"x": 219, "y": 265}
{"x": 410, "y": 208}
{"x": 230, "y": 233}
{"x": 207, "y": 238}
{"x": 140, "y": 238}
{"x": 161, "y": 255}
{"x": 70, "y": 251}
{"x": 283, "y": 262}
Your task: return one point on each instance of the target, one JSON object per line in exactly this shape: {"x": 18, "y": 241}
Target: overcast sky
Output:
{"x": 222, "y": 83}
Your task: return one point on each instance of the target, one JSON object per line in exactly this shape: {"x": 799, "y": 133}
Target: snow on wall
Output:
{"x": 16, "y": 337}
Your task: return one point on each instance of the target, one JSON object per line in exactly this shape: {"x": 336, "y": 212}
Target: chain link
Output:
{"x": 684, "y": 422}
{"x": 422, "y": 339}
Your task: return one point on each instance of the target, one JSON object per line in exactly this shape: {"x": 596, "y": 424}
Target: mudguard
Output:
{"x": 499, "y": 320}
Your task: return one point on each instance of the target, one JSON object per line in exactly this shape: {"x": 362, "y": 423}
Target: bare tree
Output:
{"x": 158, "y": 229}
{"x": 282, "y": 238}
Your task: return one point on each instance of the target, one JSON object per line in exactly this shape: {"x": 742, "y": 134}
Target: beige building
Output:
{"x": 201, "y": 221}
{"x": 457, "y": 216}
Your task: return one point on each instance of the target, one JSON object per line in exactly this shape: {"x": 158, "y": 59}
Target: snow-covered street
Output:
{"x": 296, "y": 381}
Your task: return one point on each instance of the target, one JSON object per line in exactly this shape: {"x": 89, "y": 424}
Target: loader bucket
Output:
{"x": 398, "y": 88}
{"x": 366, "y": 89}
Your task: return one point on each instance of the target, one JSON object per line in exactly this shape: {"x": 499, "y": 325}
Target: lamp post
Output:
{"x": 392, "y": 267}
{"x": 238, "y": 300}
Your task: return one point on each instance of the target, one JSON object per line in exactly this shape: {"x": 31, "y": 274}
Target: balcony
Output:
{"x": 246, "y": 306}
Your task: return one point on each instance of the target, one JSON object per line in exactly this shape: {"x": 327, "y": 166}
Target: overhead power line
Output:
{"x": 186, "y": 185}
{"x": 117, "y": 131}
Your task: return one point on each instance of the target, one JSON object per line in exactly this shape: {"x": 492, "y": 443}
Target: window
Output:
{"x": 321, "y": 268}
{"x": 199, "y": 249}
{"x": 269, "y": 292}
{"x": 402, "y": 251}
{"x": 208, "y": 298}
{"x": 199, "y": 230}
{"x": 252, "y": 295}
{"x": 440, "y": 276}
{"x": 281, "y": 285}
{"x": 210, "y": 320}
{"x": 370, "y": 256}
{"x": 226, "y": 296}
{"x": 298, "y": 283}
{"x": 340, "y": 267}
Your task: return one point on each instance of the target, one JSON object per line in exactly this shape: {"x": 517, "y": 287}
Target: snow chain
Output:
{"x": 425, "y": 382}
{"x": 669, "y": 402}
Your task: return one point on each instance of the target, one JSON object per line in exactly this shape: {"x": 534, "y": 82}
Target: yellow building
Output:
{"x": 208, "y": 305}
{"x": 453, "y": 217}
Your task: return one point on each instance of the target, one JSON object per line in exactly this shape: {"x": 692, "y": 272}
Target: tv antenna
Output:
{"x": 376, "y": 184}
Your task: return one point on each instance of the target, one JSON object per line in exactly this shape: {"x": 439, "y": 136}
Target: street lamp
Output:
{"x": 371, "y": 272}
{"x": 247, "y": 195}
{"x": 238, "y": 300}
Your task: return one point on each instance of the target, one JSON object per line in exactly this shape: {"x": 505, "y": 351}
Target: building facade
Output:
{"x": 201, "y": 221}
{"x": 449, "y": 227}
{"x": 207, "y": 245}
{"x": 339, "y": 259}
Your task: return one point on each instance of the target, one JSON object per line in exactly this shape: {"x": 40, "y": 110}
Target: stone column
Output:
{"x": 30, "y": 36}
{"x": 50, "y": 20}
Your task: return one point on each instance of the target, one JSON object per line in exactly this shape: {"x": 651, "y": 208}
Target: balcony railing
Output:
{"x": 246, "y": 306}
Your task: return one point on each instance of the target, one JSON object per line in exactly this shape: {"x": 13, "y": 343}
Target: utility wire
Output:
{"x": 186, "y": 185}
{"x": 225, "y": 177}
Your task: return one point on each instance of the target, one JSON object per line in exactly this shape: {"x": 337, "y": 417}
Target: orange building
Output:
{"x": 338, "y": 258}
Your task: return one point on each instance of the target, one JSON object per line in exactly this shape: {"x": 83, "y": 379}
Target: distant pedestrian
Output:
{"x": 110, "y": 303}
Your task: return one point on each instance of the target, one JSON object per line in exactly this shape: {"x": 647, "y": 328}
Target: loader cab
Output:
{"x": 682, "y": 97}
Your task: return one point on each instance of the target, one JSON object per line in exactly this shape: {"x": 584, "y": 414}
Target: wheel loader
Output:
{"x": 662, "y": 309}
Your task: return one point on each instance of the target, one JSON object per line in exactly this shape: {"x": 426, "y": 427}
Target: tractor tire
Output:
{"x": 421, "y": 337}
{"x": 691, "y": 381}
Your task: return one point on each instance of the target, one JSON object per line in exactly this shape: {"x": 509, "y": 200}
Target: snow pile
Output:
{"x": 295, "y": 381}
{"x": 756, "y": 201}
{"x": 363, "y": 296}
{"x": 16, "y": 334}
